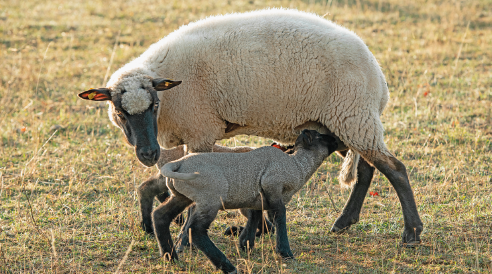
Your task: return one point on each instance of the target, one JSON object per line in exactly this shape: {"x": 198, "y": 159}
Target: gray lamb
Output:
{"x": 263, "y": 179}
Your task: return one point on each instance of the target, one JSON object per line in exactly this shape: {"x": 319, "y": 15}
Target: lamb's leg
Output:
{"x": 155, "y": 185}
{"x": 351, "y": 212}
{"x": 199, "y": 222}
{"x": 183, "y": 241}
{"x": 264, "y": 227}
{"x": 396, "y": 173}
{"x": 278, "y": 214}
{"x": 162, "y": 218}
{"x": 249, "y": 232}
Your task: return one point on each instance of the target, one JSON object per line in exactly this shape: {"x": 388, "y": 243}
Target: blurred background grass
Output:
{"x": 67, "y": 182}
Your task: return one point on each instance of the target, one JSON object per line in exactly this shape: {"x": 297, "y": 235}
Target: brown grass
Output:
{"x": 67, "y": 182}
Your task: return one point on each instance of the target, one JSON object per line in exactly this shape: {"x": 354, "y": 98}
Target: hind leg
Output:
{"x": 351, "y": 211}
{"x": 162, "y": 217}
{"x": 396, "y": 173}
{"x": 198, "y": 223}
{"x": 153, "y": 186}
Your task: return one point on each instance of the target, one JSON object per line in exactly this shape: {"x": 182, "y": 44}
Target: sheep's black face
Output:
{"x": 140, "y": 131}
{"x": 139, "y": 127}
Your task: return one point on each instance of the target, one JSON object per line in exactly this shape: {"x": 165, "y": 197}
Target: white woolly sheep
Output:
{"x": 265, "y": 178}
{"x": 269, "y": 73}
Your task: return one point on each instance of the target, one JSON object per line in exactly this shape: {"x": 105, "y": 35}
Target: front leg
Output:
{"x": 278, "y": 214}
{"x": 154, "y": 186}
{"x": 162, "y": 217}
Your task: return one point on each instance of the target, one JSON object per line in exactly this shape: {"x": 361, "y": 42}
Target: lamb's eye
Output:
{"x": 156, "y": 106}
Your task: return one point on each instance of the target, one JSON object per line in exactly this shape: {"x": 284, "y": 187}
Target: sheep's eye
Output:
{"x": 156, "y": 106}
{"x": 120, "y": 114}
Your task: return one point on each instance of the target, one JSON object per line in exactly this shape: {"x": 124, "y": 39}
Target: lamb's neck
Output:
{"x": 307, "y": 163}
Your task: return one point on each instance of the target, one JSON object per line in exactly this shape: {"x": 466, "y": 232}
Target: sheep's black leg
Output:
{"x": 351, "y": 212}
{"x": 199, "y": 222}
{"x": 278, "y": 213}
{"x": 162, "y": 218}
{"x": 249, "y": 232}
{"x": 396, "y": 173}
{"x": 155, "y": 185}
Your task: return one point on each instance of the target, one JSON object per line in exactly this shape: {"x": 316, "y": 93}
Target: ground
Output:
{"x": 67, "y": 180}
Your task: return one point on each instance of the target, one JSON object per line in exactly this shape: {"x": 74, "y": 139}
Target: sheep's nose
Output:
{"x": 150, "y": 154}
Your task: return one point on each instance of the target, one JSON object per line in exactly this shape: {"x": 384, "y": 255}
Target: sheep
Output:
{"x": 265, "y": 178}
{"x": 155, "y": 186}
{"x": 269, "y": 73}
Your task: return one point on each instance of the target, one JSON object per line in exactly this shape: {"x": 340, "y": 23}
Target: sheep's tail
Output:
{"x": 168, "y": 170}
{"x": 348, "y": 174}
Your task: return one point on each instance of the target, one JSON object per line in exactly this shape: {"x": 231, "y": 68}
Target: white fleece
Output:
{"x": 135, "y": 97}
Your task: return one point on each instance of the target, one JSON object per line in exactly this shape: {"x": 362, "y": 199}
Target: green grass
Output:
{"x": 67, "y": 181}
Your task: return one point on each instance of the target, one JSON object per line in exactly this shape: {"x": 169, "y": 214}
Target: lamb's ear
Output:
{"x": 96, "y": 94}
{"x": 163, "y": 84}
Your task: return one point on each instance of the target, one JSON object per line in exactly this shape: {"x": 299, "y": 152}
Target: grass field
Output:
{"x": 67, "y": 181}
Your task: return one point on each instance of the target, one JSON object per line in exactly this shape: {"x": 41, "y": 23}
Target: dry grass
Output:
{"x": 67, "y": 182}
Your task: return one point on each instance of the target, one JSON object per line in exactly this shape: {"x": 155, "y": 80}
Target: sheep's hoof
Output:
{"x": 411, "y": 237}
{"x": 149, "y": 229}
{"x": 341, "y": 225}
{"x": 233, "y": 231}
{"x": 336, "y": 229}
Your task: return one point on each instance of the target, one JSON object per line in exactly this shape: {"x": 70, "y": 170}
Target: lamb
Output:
{"x": 155, "y": 186}
{"x": 265, "y": 178}
{"x": 269, "y": 73}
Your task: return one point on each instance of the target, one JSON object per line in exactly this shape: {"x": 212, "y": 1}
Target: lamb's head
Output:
{"x": 133, "y": 106}
{"x": 314, "y": 141}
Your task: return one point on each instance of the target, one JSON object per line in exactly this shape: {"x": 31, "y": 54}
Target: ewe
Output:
{"x": 265, "y": 178}
{"x": 269, "y": 73}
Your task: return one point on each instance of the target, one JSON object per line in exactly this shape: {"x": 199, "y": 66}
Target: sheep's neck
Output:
{"x": 307, "y": 163}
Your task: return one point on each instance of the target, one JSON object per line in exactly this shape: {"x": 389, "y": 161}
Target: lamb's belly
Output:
{"x": 245, "y": 201}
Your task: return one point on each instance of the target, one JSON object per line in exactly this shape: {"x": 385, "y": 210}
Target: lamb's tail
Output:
{"x": 168, "y": 170}
{"x": 348, "y": 174}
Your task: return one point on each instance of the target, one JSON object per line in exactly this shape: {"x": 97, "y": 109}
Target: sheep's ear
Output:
{"x": 96, "y": 94}
{"x": 163, "y": 84}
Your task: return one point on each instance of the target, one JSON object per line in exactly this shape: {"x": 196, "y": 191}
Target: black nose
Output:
{"x": 150, "y": 154}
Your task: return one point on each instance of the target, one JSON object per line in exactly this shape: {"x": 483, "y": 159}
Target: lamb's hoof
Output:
{"x": 233, "y": 272}
{"x": 411, "y": 236}
{"x": 243, "y": 244}
{"x": 233, "y": 231}
{"x": 149, "y": 229}
{"x": 170, "y": 257}
{"x": 286, "y": 255}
